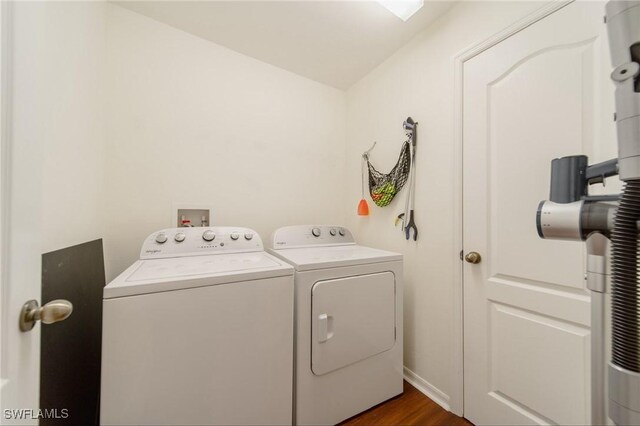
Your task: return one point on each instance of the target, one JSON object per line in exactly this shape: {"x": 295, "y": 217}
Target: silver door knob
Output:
{"x": 473, "y": 257}
{"x": 54, "y": 311}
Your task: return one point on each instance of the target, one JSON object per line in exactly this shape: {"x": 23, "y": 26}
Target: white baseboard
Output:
{"x": 435, "y": 394}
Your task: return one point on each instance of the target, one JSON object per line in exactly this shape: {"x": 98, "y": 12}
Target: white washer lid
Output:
{"x": 306, "y": 259}
{"x": 157, "y": 275}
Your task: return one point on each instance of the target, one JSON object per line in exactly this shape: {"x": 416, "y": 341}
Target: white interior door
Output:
{"x": 540, "y": 94}
{"x": 23, "y": 138}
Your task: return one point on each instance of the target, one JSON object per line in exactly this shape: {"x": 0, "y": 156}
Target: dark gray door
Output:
{"x": 71, "y": 349}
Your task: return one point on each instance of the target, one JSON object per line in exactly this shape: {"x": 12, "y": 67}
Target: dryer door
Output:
{"x": 353, "y": 318}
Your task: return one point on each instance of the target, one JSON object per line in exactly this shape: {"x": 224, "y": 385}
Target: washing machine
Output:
{"x": 199, "y": 331}
{"x": 348, "y": 322}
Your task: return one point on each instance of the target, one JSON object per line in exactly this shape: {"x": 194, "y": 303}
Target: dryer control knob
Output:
{"x": 341, "y": 232}
{"x": 332, "y": 232}
{"x": 208, "y": 236}
{"x": 248, "y": 237}
{"x": 161, "y": 238}
{"x": 234, "y": 236}
{"x": 315, "y": 232}
{"x": 179, "y": 237}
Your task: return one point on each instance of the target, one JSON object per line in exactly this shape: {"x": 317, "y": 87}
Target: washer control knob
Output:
{"x": 179, "y": 237}
{"x": 341, "y": 232}
{"x": 161, "y": 238}
{"x": 332, "y": 232}
{"x": 208, "y": 235}
{"x": 248, "y": 237}
{"x": 234, "y": 236}
{"x": 315, "y": 232}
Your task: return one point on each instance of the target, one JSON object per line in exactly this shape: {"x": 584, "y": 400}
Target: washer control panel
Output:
{"x": 311, "y": 236}
{"x": 179, "y": 242}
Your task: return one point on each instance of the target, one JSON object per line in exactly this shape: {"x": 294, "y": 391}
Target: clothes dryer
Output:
{"x": 348, "y": 317}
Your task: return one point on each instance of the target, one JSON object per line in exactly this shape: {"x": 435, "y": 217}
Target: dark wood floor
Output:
{"x": 410, "y": 408}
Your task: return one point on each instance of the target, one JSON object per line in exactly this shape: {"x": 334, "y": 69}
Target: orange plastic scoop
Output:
{"x": 363, "y": 208}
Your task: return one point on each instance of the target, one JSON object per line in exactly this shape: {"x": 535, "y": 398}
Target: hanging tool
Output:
{"x": 407, "y": 218}
{"x": 363, "y": 206}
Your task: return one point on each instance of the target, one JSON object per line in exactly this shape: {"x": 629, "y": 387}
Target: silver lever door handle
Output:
{"x": 54, "y": 311}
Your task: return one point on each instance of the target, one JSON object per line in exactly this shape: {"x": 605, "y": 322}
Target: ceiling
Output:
{"x": 332, "y": 42}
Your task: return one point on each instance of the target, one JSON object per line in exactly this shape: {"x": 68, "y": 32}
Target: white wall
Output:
{"x": 418, "y": 81}
{"x": 56, "y": 133}
{"x": 75, "y": 124}
{"x": 190, "y": 121}
{"x": 58, "y": 120}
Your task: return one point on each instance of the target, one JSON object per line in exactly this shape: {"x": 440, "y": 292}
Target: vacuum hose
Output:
{"x": 625, "y": 289}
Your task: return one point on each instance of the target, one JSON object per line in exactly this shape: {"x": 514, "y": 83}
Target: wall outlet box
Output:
{"x": 191, "y": 215}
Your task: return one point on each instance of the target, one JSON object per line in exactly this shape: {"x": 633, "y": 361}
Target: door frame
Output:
{"x": 457, "y": 391}
{"x": 6, "y": 54}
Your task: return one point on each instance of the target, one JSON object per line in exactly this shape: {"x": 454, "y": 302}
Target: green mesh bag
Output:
{"x": 383, "y": 187}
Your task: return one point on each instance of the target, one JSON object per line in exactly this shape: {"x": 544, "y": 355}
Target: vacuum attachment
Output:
{"x": 571, "y": 213}
{"x": 568, "y": 183}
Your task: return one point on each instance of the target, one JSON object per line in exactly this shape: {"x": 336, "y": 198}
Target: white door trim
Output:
{"x": 457, "y": 391}
{"x": 6, "y": 54}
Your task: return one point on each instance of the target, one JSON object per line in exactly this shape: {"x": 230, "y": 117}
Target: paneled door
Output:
{"x": 540, "y": 94}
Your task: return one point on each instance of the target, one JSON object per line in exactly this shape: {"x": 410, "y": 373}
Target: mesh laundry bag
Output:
{"x": 384, "y": 186}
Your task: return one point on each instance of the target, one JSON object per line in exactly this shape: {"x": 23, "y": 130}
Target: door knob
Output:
{"x": 473, "y": 257}
{"x": 54, "y": 311}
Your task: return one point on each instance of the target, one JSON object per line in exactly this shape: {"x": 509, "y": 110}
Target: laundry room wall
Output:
{"x": 192, "y": 122}
{"x": 418, "y": 81}
{"x": 57, "y": 121}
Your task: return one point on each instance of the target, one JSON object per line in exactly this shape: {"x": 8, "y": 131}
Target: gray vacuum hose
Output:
{"x": 625, "y": 289}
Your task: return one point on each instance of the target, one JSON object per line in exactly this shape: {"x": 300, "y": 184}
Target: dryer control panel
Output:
{"x": 299, "y": 236}
{"x": 180, "y": 242}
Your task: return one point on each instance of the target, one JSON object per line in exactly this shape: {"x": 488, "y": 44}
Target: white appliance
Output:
{"x": 199, "y": 331}
{"x": 348, "y": 310}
